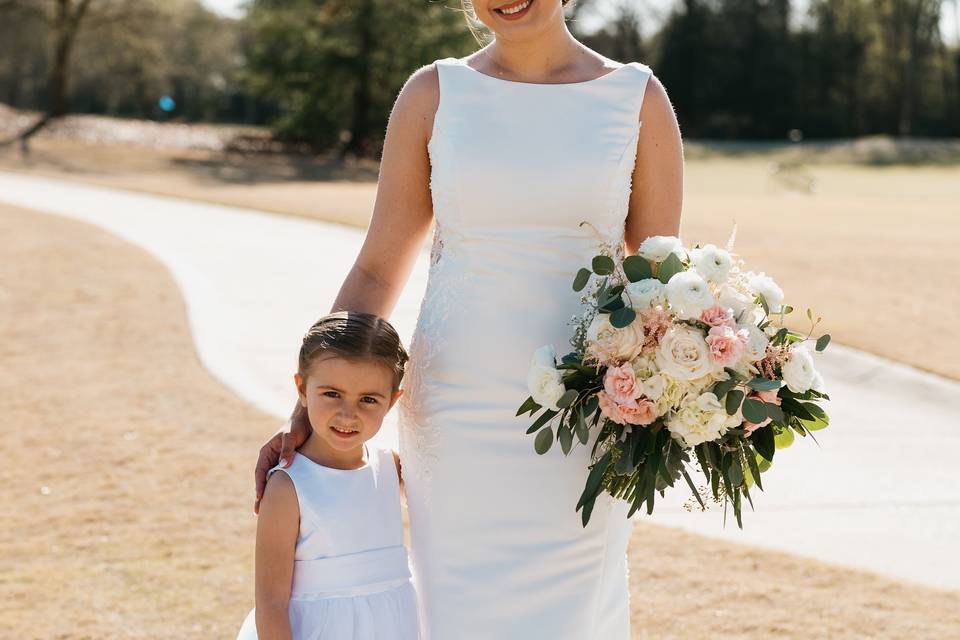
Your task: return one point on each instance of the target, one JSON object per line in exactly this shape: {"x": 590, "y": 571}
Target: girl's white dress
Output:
{"x": 498, "y": 551}
{"x": 351, "y": 578}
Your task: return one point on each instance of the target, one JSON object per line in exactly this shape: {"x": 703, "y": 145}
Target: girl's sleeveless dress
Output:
{"x": 498, "y": 551}
{"x": 351, "y": 577}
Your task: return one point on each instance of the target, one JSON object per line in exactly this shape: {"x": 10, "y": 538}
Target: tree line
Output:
{"x": 326, "y": 72}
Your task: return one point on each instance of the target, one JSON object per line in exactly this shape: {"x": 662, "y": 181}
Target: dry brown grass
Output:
{"x": 127, "y": 475}
{"x": 872, "y": 250}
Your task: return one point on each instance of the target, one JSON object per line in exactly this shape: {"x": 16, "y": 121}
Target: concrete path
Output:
{"x": 878, "y": 493}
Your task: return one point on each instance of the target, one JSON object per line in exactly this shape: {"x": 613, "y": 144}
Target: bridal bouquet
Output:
{"x": 680, "y": 355}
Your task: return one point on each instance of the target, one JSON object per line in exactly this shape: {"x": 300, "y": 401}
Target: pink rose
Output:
{"x": 609, "y": 408}
{"x": 620, "y": 383}
{"x": 717, "y": 316}
{"x": 641, "y": 411}
{"x": 769, "y": 396}
{"x": 726, "y": 345}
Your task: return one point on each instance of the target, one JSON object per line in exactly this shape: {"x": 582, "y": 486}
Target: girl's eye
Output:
{"x": 371, "y": 399}
{"x": 330, "y": 394}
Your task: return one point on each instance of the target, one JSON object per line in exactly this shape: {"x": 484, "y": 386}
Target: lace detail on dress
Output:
{"x": 446, "y": 281}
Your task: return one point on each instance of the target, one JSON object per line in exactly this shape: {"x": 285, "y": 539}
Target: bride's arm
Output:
{"x": 402, "y": 213}
{"x": 656, "y": 199}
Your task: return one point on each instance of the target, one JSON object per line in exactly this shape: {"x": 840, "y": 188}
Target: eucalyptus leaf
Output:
{"x": 544, "y": 440}
{"x": 583, "y": 432}
{"x": 529, "y": 405}
{"x": 721, "y": 388}
{"x": 733, "y": 401}
{"x": 823, "y": 341}
{"x": 567, "y": 398}
{"x": 603, "y": 265}
{"x": 754, "y": 410}
{"x": 764, "y": 384}
{"x": 669, "y": 268}
{"x": 580, "y": 281}
{"x": 565, "y": 436}
{"x": 544, "y": 418}
{"x": 637, "y": 268}
{"x": 762, "y": 440}
{"x": 622, "y": 317}
{"x": 594, "y": 478}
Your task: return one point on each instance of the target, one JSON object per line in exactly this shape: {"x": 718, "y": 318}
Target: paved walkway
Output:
{"x": 879, "y": 493}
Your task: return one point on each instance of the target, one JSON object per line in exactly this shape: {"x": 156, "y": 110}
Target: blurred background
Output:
{"x": 185, "y": 183}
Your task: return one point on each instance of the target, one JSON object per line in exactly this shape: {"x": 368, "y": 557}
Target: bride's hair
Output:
{"x": 358, "y": 336}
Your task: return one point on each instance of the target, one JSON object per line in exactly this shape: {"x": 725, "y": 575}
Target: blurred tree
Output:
{"x": 335, "y": 66}
{"x": 621, "y": 38}
{"x": 64, "y": 19}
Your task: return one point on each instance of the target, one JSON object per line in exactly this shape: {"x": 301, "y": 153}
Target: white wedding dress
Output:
{"x": 498, "y": 551}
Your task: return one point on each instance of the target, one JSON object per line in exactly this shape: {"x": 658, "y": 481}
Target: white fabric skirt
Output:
{"x": 390, "y": 614}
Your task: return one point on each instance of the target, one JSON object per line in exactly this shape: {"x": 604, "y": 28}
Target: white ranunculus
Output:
{"x": 700, "y": 418}
{"x": 545, "y": 356}
{"x": 711, "y": 262}
{"x": 608, "y": 342}
{"x": 735, "y": 299}
{"x": 657, "y": 248}
{"x": 643, "y": 294}
{"x": 765, "y": 286}
{"x": 543, "y": 379}
{"x": 798, "y": 370}
{"x": 683, "y": 353}
{"x": 757, "y": 342}
{"x": 688, "y": 294}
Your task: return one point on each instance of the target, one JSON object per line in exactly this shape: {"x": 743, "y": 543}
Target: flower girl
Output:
{"x": 330, "y": 558}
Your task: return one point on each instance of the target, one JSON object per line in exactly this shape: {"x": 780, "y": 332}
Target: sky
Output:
{"x": 655, "y": 8}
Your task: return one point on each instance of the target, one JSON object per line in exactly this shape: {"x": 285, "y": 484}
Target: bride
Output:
{"x": 530, "y": 158}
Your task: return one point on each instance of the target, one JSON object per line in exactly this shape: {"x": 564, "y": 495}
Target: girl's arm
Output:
{"x": 278, "y": 526}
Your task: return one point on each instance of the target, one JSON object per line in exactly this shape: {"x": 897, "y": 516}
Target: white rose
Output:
{"x": 765, "y": 286}
{"x": 543, "y": 380}
{"x": 657, "y": 248}
{"x": 733, "y": 298}
{"x": 711, "y": 262}
{"x": 683, "y": 353}
{"x": 688, "y": 294}
{"x": 643, "y": 294}
{"x": 757, "y": 342}
{"x": 607, "y": 342}
{"x": 798, "y": 371}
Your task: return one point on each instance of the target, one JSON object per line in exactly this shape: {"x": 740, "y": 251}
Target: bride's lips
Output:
{"x": 513, "y": 5}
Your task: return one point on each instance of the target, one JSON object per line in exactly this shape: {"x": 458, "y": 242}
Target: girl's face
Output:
{"x": 346, "y": 399}
{"x": 518, "y": 18}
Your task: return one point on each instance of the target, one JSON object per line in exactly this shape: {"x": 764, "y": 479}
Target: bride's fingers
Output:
{"x": 266, "y": 460}
{"x": 286, "y": 449}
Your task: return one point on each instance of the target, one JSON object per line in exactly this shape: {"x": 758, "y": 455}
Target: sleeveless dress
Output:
{"x": 497, "y": 549}
{"x": 351, "y": 576}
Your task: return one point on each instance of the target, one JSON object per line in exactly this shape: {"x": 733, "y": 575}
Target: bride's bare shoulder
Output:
{"x": 418, "y": 99}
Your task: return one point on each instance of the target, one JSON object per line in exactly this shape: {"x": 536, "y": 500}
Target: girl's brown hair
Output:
{"x": 355, "y": 335}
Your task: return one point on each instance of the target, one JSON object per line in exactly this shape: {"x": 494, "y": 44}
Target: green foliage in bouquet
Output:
{"x": 635, "y": 462}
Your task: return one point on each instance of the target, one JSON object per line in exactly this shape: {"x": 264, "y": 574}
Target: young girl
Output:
{"x": 330, "y": 559}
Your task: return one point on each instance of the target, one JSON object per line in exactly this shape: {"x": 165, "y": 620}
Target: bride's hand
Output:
{"x": 280, "y": 447}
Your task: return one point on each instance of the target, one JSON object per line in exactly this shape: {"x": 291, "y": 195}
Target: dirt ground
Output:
{"x": 129, "y": 513}
{"x": 866, "y": 242}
